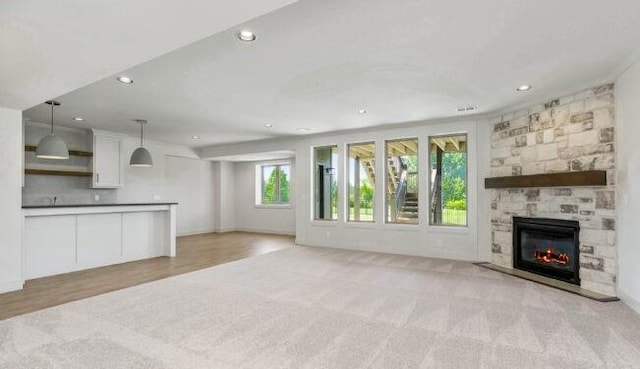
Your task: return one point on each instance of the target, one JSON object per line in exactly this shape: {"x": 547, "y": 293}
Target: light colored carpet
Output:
{"x": 324, "y": 308}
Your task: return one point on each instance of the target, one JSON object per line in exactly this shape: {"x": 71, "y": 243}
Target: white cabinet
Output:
{"x": 50, "y": 245}
{"x": 66, "y": 239}
{"x": 108, "y": 171}
{"x": 140, "y": 236}
{"x": 99, "y": 239}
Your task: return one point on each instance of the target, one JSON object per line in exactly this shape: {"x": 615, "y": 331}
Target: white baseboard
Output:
{"x": 629, "y": 301}
{"x": 267, "y": 230}
{"x": 195, "y": 232}
{"x": 357, "y": 246}
{"x": 8, "y": 286}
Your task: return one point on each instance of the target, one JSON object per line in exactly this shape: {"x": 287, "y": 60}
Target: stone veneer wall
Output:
{"x": 571, "y": 133}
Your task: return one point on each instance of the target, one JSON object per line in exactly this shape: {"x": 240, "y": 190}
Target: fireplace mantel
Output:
{"x": 562, "y": 179}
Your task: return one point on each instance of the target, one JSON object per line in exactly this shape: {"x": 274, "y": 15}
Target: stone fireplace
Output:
{"x": 571, "y": 133}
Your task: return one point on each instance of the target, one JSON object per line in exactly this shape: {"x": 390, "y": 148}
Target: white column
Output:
{"x": 171, "y": 230}
{"x": 224, "y": 196}
{"x": 11, "y": 199}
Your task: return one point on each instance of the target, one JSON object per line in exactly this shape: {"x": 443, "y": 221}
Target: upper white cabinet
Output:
{"x": 108, "y": 170}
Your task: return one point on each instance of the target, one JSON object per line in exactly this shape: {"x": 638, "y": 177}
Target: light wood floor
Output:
{"x": 193, "y": 253}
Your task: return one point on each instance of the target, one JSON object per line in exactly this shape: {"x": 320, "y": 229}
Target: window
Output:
{"x": 275, "y": 179}
{"x": 325, "y": 183}
{"x": 401, "y": 181}
{"x": 448, "y": 180}
{"x": 362, "y": 160}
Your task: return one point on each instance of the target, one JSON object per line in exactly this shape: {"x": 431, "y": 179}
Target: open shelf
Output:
{"x": 564, "y": 179}
{"x": 85, "y": 154}
{"x": 53, "y": 172}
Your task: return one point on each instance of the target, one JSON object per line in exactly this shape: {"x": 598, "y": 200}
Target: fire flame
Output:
{"x": 549, "y": 256}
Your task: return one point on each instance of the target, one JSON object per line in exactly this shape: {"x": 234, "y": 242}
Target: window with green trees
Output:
{"x": 448, "y": 180}
{"x": 325, "y": 182}
{"x": 361, "y": 181}
{"x": 275, "y": 184}
{"x": 401, "y": 181}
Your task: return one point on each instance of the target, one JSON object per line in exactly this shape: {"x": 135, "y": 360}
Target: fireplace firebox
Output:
{"x": 549, "y": 247}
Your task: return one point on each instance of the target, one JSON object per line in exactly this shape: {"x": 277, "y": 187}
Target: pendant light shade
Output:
{"x": 141, "y": 157}
{"x": 52, "y": 146}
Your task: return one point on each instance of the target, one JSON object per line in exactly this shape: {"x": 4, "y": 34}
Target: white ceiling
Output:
{"x": 49, "y": 48}
{"x": 316, "y": 62}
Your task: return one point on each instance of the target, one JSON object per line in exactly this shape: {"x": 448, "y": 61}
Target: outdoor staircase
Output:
{"x": 409, "y": 208}
{"x": 396, "y": 178}
{"x": 369, "y": 167}
{"x": 393, "y": 175}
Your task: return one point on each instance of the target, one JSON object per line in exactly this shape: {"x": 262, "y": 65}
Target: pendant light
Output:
{"x": 52, "y": 146}
{"x": 141, "y": 156}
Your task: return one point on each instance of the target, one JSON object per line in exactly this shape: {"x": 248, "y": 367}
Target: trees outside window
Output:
{"x": 361, "y": 171}
{"x": 401, "y": 181}
{"x": 275, "y": 184}
{"x": 325, "y": 175}
{"x": 448, "y": 180}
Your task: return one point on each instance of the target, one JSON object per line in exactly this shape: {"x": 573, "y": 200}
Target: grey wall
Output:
{"x": 40, "y": 190}
{"x": 177, "y": 175}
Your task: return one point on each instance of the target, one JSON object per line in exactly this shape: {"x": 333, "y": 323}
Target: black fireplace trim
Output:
{"x": 557, "y": 225}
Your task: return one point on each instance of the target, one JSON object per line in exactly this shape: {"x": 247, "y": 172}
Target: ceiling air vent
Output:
{"x": 467, "y": 109}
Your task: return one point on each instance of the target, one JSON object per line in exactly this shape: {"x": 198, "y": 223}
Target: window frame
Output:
{"x": 260, "y": 184}
{"x": 386, "y": 182}
{"x": 347, "y": 182}
{"x": 430, "y": 221}
{"x": 314, "y": 180}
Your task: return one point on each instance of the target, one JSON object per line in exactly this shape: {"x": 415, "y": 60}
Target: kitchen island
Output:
{"x": 67, "y": 238}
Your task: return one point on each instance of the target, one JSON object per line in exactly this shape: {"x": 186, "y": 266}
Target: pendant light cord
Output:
{"x": 52, "y": 118}
{"x": 141, "y": 134}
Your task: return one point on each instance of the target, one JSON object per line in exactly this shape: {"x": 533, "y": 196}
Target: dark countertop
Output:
{"x": 96, "y": 204}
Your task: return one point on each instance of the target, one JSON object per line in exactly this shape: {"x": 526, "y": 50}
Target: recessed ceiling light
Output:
{"x": 78, "y": 119}
{"x": 303, "y": 129}
{"x": 246, "y": 35}
{"x": 126, "y": 80}
{"x": 195, "y": 137}
{"x": 362, "y": 111}
{"x": 523, "y": 88}
{"x": 268, "y": 125}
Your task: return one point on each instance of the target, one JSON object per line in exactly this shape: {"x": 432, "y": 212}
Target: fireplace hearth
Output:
{"x": 549, "y": 247}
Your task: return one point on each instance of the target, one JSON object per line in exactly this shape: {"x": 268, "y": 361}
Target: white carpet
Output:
{"x": 323, "y": 308}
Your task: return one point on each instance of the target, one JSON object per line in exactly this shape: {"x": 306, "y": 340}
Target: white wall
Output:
{"x": 10, "y": 198}
{"x": 190, "y": 183}
{"x": 628, "y": 197}
{"x": 252, "y": 218}
{"x": 148, "y": 184}
{"x": 177, "y": 175}
{"x": 422, "y": 240}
